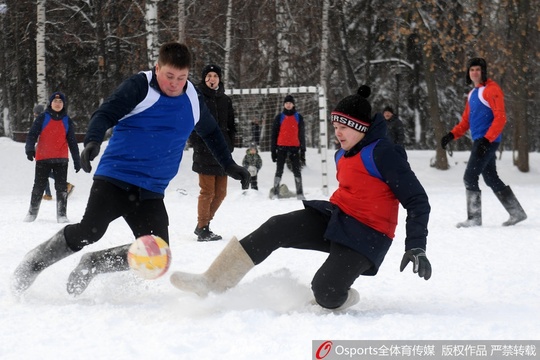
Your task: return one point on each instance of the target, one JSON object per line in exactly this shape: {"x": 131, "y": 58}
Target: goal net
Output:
{"x": 256, "y": 109}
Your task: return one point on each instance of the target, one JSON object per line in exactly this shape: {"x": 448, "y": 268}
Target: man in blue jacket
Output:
{"x": 153, "y": 114}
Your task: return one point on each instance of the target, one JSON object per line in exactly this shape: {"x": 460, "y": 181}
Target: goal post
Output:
{"x": 255, "y": 110}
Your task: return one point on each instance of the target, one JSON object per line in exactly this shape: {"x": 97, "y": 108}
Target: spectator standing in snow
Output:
{"x": 153, "y": 113}
{"x": 395, "y": 131}
{"x": 485, "y": 117}
{"x": 212, "y": 176}
{"x": 288, "y": 140}
{"x": 56, "y": 134}
{"x": 355, "y": 227}
{"x": 253, "y": 163}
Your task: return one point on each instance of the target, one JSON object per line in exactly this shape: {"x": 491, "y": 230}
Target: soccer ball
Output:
{"x": 149, "y": 257}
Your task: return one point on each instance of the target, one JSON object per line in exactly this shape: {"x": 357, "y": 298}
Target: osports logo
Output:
{"x": 323, "y": 350}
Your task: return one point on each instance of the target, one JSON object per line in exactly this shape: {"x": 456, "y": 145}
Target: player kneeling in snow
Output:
{"x": 356, "y": 226}
{"x": 152, "y": 113}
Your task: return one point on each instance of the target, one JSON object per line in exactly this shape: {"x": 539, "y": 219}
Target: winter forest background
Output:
{"x": 412, "y": 53}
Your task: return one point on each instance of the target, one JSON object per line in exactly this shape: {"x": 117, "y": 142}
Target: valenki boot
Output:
{"x": 38, "y": 259}
{"x": 299, "y": 188}
{"x": 94, "y": 263}
{"x": 224, "y": 273}
{"x": 61, "y": 207}
{"x": 35, "y": 202}
{"x": 512, "y": 205}
{"x": 474, "y": 209}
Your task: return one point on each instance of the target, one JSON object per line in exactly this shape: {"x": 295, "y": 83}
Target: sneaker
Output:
{"x": 205, "y": 234}
{"x": 47, "y": 197}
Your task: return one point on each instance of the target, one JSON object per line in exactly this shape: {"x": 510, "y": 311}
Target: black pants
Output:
{"x": 304, "y": 229}
{"x": 41, "y": 179}
{"x": 108, "y": 202}
{"x": 294, "y": 155}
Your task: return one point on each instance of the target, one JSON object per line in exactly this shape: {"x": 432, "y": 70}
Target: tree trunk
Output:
{"x": 41, "y": 74}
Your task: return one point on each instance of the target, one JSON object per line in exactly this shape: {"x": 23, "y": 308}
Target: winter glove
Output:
{"x": 483, "y": 147}
{"x": 31, "y": 154}
{"x": 446, "y": 139}
{"x": 237, "y": 172}
{"x": 77, "y": 166}
{"x": 91, "y": 150}
{"x": 420, "y": 262}
{"x": 274, "y": 156}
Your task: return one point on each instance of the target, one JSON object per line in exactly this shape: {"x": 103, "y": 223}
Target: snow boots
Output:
{"x": 299, "y": 188}
{"x": 94, "y": 263}
{"x": 474, "y": 209}
{"x": 61, "y": 207}
{"x": 35, "y": 202}
{"x": 512, "y": 205}
{"x": 275, "y": 189}
{"x": 225, "y": 272}
{"x": 41, "y": 257}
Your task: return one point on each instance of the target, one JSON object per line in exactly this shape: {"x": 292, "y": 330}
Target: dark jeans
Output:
{"x": 294, "y": 155}
{"x": 41, "y": 179}
{"x": 486, "y": 166}
{"x": 304, "y": 229}
{"x": 108, "y": 202}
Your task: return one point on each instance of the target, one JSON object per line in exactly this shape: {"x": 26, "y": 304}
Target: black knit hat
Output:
{"x": 389, "y": 109}
{"x": 59, "y": 95}
{"x": 477, "y": 62}
{"x": 211, "y": 68}
{"x": 354, "y": 111}
{"x": 288, "y": 98}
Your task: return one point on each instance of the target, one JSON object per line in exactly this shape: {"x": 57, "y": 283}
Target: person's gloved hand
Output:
{"x": 483, "y": 147}
{"x": 238, "y": 172}
{"x": 274, "y": 156}
{"x": 446, "y": 139}
{"x": 77, "y": 165}
{"x": 91, "y": 150}
{"x": 421, "y": 264}
{"x": 31, "y": 154}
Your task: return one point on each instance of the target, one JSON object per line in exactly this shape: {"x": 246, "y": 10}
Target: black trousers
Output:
{"x": 108, "y": 202}
{"x": 294, "y": 155}
{"x": 41, "y": 178}
{"x": 304, "y": 229}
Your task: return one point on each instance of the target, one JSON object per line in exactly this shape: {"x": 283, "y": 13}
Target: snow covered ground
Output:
{"x": 484, "y": 284}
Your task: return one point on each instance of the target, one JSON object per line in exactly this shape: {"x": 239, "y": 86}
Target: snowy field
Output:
{"x": 484, "y": 286}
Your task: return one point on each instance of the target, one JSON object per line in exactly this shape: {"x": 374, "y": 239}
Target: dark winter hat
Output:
{"x": 288, "y": 98}
{"x": 57, "y": 95}
{"x": 38, "y": 109}
{"x": 354, "y": 111}
{"x": 253, "y": 146}
{"x": 211, "y": 68}
{"x": 389, "y": 109}
{"x": 477, "y": 62}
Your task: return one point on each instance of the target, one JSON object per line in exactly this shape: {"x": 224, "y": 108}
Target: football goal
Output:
{"x": 255, "y": 110}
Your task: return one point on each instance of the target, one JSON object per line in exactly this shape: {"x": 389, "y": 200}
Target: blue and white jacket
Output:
{"x": 150, "y": 133}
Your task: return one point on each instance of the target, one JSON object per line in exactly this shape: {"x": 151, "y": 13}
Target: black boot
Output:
{"x": 43, "y": 256}
{"x": 61, "y": 206}
{"x": 35, "y": 202}
{"x": 205, "y": 234}
{"x": 275, "y": 189}
{"x": 512, "y": 205}
{"x": 299, "y": 188}
{"x": 94, "y": 263}
{"x": 474, "y": 209}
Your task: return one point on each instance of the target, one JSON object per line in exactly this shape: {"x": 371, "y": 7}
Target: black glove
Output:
{"x": 274, "y": 156}
{"x": 420, "y": 262}
{"x": 91, "y": 150}
{"x": 31, "y": 154}
{"x": 77, "y": 166}
{"x": 238, "y": 172}
{"x": 446, "y": 139}
{"x": 483, "y": 147}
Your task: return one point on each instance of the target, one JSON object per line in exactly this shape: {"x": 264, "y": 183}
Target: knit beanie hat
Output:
{"x": 288, "y": 98}
{"x": 354, "y": 111}
{"x": 477, "y": 62}
{"x": 56, "y": 95}
{"x": 389, "y": 109}
{"x": 211, "y": 68}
